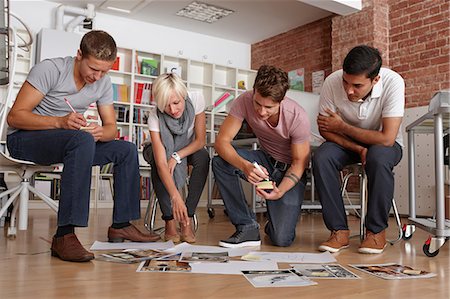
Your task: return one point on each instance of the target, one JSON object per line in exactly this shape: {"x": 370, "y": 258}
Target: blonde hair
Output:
{"x": 164, "y": 85}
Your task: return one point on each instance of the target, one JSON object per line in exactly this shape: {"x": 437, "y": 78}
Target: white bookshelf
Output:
{"x": 212, "y": 80}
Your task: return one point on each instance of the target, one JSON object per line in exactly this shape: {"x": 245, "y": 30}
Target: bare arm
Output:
{"x": 334, "y": 124}
{"x": 107, "y": 131}
{"x": 21, "y": 115}
{"x": 228, "y": 130}
{"x": 300, "y": 159}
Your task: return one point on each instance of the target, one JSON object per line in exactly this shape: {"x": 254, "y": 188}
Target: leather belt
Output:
{"x": 279, "y": 165}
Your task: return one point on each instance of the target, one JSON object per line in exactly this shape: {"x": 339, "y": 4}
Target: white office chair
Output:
{"x": 19, "y": 195}
{"x": 358, "y": 170}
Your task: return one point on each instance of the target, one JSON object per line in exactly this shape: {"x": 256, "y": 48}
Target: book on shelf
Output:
{"x": 120, "y": 93}
{"x": 122, "y": 113}
{"x": 116, "y": 64}
{"x": 140, "y": 116}
{"x": 174, "y": 68}
{"x": 149, "y": 67}
{"x": 220, "y": 104}
{"x": 145, "y": 188}
{"x": 142, "y": 93}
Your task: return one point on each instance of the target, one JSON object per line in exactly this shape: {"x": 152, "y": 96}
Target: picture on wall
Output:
{"x": 297, "y": 79}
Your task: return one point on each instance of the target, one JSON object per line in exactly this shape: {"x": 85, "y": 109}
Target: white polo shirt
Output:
{"x": 386, "y": 100}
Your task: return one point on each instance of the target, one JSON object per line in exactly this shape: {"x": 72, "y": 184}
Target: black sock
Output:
{"x": 120, "y": 225}
{"x": 64, "y": 230}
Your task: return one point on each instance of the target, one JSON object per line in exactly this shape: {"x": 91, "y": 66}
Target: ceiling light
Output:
{"x": 204, "y": 12}
{"x": 118, "y": 9}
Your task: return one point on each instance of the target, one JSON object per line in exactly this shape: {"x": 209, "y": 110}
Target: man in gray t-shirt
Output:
{"x": 47, "y": 126}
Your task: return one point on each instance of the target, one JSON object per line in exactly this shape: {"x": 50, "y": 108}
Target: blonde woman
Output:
{"x": 178, "y": 133}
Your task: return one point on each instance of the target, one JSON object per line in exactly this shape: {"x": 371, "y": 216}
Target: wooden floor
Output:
{"x": 28, "y": 270}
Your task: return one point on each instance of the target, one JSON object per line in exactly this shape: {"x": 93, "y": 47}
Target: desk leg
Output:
{"x": 412, "y": 174}
{"x": 439, "y": 168}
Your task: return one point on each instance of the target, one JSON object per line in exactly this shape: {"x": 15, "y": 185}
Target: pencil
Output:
{"x": 71, "y": 107}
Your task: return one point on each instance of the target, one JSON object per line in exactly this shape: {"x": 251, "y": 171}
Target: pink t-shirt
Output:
{"x": 293, "y": 126}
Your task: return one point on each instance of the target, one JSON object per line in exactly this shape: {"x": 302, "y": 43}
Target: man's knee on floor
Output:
{"x": 281, "y": 240}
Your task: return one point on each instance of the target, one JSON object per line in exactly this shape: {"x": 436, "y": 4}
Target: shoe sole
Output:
{"x": 86, "y": 259}
{"x": 371, "y": 250}
{"x": 331, "y": 249}
{"x": 239, "y": 245}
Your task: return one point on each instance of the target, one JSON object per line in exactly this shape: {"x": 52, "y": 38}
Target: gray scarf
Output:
{"x": 174, "y": 136}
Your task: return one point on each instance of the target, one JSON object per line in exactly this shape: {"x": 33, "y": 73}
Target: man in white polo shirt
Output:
{"x": 360, "y": 116}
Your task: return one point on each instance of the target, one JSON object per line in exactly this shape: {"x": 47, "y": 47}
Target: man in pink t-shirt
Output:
{"x": 282, "y": 128}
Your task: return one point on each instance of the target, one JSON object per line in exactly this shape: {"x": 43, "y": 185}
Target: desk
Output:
{"x": 435, "y": 122}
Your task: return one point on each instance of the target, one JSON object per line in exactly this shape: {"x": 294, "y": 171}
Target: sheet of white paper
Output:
{"x": 186, "y": 247}
{"x": 295, "y": 257}
{"x": 232, "y": 267}
{"x": 131, "y": 245}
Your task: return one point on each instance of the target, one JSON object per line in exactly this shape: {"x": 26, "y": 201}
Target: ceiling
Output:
{"x": 252, "y": 20}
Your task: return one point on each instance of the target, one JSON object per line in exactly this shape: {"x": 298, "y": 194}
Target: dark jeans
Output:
{"x": 331, "y": 158}
{"x": 200, "y": 167}
{"x": 283, "y": 213}
{"x": 79, "y": 152}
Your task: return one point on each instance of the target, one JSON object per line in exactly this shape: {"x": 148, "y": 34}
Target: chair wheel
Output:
{"x": 426, "y": 250}
{"x": 211, "y": 213}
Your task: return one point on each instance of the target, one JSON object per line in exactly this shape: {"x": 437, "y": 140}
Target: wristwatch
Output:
{"x": 176, "y": 157}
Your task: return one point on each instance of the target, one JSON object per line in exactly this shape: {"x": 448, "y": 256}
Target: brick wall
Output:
{"x": 369, "y": 26}
{"x": 420, "y": 47}
{"x": 306, "y": 47}
{"x": 413, "y": 36}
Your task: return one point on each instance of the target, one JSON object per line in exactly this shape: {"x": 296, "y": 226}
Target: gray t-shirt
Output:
{"x": 54, "y": 79}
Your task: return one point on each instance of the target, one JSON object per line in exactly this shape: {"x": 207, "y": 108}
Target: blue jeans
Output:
{"x": 79, "y": 152}
{"x": 331, "y": 158}
{"x": 283, "y": 213}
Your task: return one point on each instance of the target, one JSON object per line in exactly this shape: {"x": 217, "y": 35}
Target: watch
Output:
{"x": 176, "y": 157}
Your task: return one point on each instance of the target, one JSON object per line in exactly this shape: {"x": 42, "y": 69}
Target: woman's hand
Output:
{"x": 179, "y": 210}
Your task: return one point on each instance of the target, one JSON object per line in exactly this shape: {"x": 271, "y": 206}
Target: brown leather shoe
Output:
{"x": 339, "y": 239}
{"x": 130, "y": 233}
{"x": 68, "y": 248}
{"x": 373, "y": 243}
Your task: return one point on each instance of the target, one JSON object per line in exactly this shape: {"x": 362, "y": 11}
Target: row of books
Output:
{"x": 140, "y": 116}
{"x": 145, "y": 188}
{"x": 122, "y": 113}
{"x": 143, "y": 93}
{"x": 141, "y": 134}
{"x": 120, "y": 93}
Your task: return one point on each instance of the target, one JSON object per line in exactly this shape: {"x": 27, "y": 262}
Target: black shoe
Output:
{"x": 249, "y": 238}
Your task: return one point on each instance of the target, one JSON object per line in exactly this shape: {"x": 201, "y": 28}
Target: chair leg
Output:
{"x": 399, "y": 224}
{"x": 49, "y": 201}
{"x": 363, "y": 203}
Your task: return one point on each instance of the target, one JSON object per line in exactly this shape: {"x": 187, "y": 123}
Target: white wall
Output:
{"x": 144, "y": 36}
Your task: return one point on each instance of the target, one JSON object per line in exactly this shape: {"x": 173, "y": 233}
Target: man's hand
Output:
{"x": 95, "y": 130}
{"x": 332, "y": 123}
{"x": 72, "y": 121}
{"x": 363, "y": 153}
{"x": 274, "y": 194}
{"x": 253, "y": 174}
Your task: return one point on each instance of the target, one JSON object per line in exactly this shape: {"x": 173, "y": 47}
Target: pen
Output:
{"x": 71, "y": 107}
{"x": 260, "y": 169}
